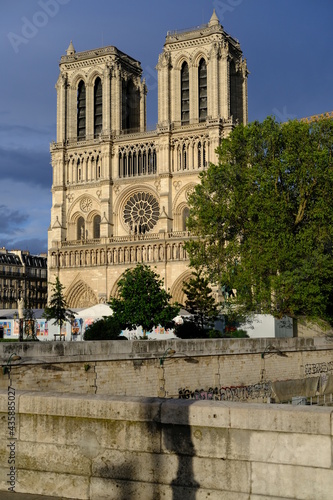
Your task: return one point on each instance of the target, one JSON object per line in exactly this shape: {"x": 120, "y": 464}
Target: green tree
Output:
{"x": 106, "y": 328}
{"x": 199, "y": 300}
{"x": 57, "y": 309}
{"x": 142, "y": 300}
{"x": 264, "y": 218}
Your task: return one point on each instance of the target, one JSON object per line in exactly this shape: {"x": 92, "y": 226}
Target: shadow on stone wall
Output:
{"x": 178, "y": 440}
{"x": 165, "y": 460}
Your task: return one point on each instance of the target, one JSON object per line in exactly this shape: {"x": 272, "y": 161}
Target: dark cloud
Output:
{"x": 34, "y": 245}
{"x": 11, "y": 220}
{"x": 25, "y": 131}
{"x": 31, "y": 167}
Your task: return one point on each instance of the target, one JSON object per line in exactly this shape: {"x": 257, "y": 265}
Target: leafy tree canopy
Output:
{"x": 57, "y": 309}
{"x": 264, "y": 218}
{"x": 199, "y": 300}
{"x": 107, "y": 328}
{"x": 142, "y": 300}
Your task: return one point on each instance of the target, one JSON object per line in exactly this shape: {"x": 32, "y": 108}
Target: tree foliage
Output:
{"x": 264, "y": 218}
{"x": 200, "y": 301}
{"x": 57, "y": 309}
{"x": 142, "y": 300}
{"x": 107, "y": 328}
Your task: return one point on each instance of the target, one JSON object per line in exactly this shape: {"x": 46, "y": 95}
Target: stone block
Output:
{"x": 104, "y": 489}
{"x": 52, "y": 458}
{"x": 301, "y": 483}
{"x": 91, "y": 406}
{"x": 109, "y": 434}
{"x": 177, "y": 469}
{"x": 280, "y": 418}
{"x": 52, "y": 484}
{"x": 197, "y": 413}
{"x": 236, "y": 444}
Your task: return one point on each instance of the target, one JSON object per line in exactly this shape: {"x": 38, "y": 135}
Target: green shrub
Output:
{"x": 107, "y": 328}
{"x": 190, "y": 330}
{"x": 236, "y": 334}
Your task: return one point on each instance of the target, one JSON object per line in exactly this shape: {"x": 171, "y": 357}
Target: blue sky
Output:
{"x": 288, "y": 45}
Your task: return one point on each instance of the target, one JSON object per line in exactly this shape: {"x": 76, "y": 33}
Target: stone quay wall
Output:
{"x": 239, "y": 369}
{"x": 97, "y": 447}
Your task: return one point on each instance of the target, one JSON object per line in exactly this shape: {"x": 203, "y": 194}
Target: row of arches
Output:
{"x": 190, "y": 155}
{"x": 84, "y": 169}
{"x": 81, "y": 295}
{"x": 137, "y": 162}
{"x": 120, "y": 255}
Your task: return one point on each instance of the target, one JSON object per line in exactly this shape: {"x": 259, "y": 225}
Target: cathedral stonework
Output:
{"x": 120, "y": 192}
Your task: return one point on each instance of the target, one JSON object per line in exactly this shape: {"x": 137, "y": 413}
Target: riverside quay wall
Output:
{"x": 256, "y": 370}
{"x": 99, "y": 447}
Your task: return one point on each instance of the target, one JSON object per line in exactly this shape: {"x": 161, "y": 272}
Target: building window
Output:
{"x": 141, "y": 213}
{"x": 81, "y": 110}
{"x": 202, "y": 90}
{"x": 184, "y": 158}
{"x": 130, "y": 106}
{"x": 185, "y": 94}
{"x": 79, "y": 177}
{"x": 80, "y": 229}
{"x": 186, "y": 213}
{"x": 97, "y": 226}
{"x": 97, "y": 107}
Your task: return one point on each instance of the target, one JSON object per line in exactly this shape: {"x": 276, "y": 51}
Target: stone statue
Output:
{"x": 20, "y": 307}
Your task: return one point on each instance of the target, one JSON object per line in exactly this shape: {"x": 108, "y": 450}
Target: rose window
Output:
{"x": 141, "y": 212}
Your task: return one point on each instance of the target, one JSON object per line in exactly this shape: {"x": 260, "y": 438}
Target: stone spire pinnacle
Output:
{"x": 70, "y": 51}
{"x": 214, "y": 20}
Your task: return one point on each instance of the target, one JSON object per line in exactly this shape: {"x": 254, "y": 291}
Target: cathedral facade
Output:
{"x": 120, "y": 192}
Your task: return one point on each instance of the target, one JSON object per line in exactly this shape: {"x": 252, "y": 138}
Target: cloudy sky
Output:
{"x": 288, "y": 46}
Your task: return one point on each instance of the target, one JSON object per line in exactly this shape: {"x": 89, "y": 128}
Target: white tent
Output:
{"x": 94, "y": 312}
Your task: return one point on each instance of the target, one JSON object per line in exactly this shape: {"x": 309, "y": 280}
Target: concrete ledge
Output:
{"x": 92, "y": 447}
{"x": 60, "y": 352}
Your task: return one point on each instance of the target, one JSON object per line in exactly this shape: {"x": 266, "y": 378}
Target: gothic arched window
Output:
{"x": 199, "y": 155}
{"x": 185, "y": 94}
{"x": 120, "y": 166}
{"x": 184, "y": 159}
{"x": 202, "y": 90}
{"x": 80, "y": 229}
{"x": 186, "y": 213}
{"x": 97, "y": 107}
{"x": 204, "y": 159}
{"x": 81, "y": 111}
{"x": 139, "y": 163}
{"x": 97, "y": 226}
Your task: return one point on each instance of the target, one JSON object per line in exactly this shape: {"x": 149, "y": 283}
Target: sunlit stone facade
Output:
{"x": 120, "y": 192}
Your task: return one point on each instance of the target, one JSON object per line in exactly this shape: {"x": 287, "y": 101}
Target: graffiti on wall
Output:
{"x": 316, "y": 368}
{"x": 230, "y": 393}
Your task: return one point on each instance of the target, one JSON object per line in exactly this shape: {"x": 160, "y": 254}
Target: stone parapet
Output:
{"x": 256, "y": 370}
{"x": 99, "y": 447}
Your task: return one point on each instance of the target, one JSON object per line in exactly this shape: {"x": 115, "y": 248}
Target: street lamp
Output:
{"x": 168, "y": 352}
{"x": 13, "y": 357}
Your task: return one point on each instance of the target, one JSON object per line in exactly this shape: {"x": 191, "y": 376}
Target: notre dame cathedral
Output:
{"x": 120, "y": 192}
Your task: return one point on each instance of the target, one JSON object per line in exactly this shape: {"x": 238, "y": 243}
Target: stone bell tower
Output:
{"x": 120, "y": 193}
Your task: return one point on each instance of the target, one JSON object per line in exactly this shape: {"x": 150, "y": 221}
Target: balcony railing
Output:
{"x": 126, "y": 239}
